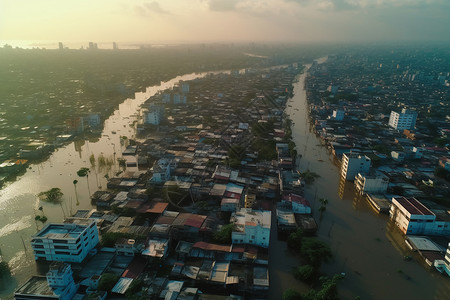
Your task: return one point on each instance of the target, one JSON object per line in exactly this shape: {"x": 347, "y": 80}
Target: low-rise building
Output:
{"x": 371, "y": 183}
{"x": 412, "y": 217}
{"x": 338, "y": 114}
{"x": 57, "y": 284}
{"x": 65, "y": 242}
{"x": 297, "y": 204}
{"x": 251, "y": 227}
{"x": 126, "y": 247}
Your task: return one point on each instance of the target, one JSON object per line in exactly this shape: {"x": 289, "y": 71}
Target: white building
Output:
{"x": 251, "y": 227}
{"x": 162, "y": 169}
{"x": 404, "y": 120}
{"x": 65, "y": 242}
{"x": 154, "y": 115}
{"x": 352, "y": 164}
{"x": 57, "y": 284}
{"x": 371, "y": 184}
{"x": 338, "y": 114}
{"x": 412, "y": 217}
{"x": 125, "y": 247}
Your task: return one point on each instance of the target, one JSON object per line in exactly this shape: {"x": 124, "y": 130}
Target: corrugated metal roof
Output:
{"x": 122, "y": 285}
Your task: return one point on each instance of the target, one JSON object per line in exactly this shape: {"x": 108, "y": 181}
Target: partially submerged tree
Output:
{"x": 76, "y": 194}
{"x": 84, "y": 172}
{"x": 53, "y": 195}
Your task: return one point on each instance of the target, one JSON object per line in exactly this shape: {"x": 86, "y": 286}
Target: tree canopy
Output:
{"x": 53, "y": 195}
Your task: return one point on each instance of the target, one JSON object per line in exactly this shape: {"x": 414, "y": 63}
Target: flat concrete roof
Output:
{"x": 61, "y": 231}
{"x": 422, "y": 243}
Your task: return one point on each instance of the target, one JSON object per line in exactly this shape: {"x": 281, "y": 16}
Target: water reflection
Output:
{"x": 367, "y": 247}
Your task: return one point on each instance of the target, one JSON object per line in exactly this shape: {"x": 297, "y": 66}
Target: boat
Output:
{"x": 113, "y": 132}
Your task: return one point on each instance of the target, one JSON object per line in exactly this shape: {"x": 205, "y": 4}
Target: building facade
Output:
{"x": 352, "y": 164}
{"x": 154, "y": 115}
{"x": 57, "y": 284}
{"x": 65, "y": 242}
{"x": 404, "y": 120}
{"x": 371, "y": 184}
{"x": 251, "y": 227}
{"x": 412, "y": 217}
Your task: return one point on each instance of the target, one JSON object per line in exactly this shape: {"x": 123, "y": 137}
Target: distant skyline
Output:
{"x": 192, "y": 21}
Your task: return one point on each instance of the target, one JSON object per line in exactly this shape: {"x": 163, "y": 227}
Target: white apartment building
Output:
{"x": 57, "y": 284}
{"x": 371, "y": 184}
{"x": 251, "y": 227}
{"x": 65, "y": 242}
{"x": 154, "y": 115}
{"x": 412, "y": 217}
{"x": 352, "y": 164}
{"x": 404, "y": 120}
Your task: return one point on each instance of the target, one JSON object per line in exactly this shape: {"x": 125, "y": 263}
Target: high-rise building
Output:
{"x": 61, "y": 46}
{"x": 404, "y": 120}
{"x": 352, "y": 164}
{"x": 154, "y": 115}
{"x": 115, "y": 47}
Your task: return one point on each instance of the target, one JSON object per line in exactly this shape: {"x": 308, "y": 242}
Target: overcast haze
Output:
{"x": 176, "y": 21}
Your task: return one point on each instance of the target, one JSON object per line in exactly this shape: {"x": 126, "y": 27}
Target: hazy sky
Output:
{"x": 224, "y": 20}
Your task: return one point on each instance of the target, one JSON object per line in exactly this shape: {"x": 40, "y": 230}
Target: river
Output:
{"x": 18, "y": 201}
{"x": 366, "y": 246}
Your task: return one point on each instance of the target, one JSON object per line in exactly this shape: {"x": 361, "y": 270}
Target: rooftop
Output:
{"x": 413, "y": 206}
{"x": 62, "y": 231}
{"x": 248, "y": 217}
{"x": 36, "y": 286}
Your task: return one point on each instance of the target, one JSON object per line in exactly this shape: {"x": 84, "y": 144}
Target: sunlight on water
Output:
{"x": 23, "y": 223}
{"x": 18, "y": 261}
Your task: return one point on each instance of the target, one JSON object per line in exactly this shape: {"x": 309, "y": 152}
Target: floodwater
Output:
{"x": 366, "y": 246}
{"x": 18, "y": 201}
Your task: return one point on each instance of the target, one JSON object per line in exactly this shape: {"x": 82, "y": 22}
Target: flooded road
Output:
{"x": 366, "y": 247}
{"x": 19, "y": 203}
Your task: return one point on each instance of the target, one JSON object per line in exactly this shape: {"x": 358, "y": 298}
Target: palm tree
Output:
{"x": 76, "y": 194}
{"x": 84, "y": 172}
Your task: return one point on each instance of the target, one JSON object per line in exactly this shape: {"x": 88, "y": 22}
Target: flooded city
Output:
{"x": 366, "y": 246}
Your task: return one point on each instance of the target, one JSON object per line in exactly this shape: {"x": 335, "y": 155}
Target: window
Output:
{"x": 38, "y": 246}
{"x": 61, "y": 247}
{"x": 60, "y": 241}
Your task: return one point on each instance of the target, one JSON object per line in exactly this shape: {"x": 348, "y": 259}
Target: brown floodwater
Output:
{"x": 366, "y": 246}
